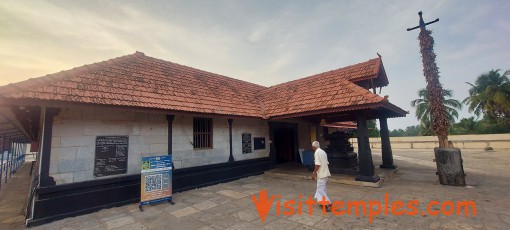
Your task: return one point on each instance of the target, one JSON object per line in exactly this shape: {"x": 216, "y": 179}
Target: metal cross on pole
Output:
{"x": 422, "y": 24}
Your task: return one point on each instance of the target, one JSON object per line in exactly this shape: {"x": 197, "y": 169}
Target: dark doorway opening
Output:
{"x": 284, "y": 136}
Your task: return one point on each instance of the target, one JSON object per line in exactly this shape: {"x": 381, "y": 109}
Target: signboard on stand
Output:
{"x": 156, "y": 183}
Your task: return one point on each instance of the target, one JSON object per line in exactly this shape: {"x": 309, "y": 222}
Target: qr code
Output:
{"x": 153, "y": 182}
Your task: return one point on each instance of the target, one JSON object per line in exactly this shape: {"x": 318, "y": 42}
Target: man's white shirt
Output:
{"x": 321, "y": 159}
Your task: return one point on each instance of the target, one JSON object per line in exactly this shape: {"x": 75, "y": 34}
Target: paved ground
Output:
{"x": 13, "y": 196}
{"x": 229, "y": 205}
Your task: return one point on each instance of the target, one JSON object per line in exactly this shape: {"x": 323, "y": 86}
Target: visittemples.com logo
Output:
{"x": 370, "y": 208}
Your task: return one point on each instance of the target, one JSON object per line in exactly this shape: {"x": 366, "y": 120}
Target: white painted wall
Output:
{"x": 74, "y": 135}
{"x": 75, "y": 131}
{"x": 184, "y": 156}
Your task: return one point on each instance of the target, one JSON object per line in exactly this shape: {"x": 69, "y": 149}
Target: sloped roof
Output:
{"x": 372, "y": 69}
{"x": 327, "y": 90}
{"x": 141, "y": 81}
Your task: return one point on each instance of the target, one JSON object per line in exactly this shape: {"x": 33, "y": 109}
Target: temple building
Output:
{"x": 216, "y": 128}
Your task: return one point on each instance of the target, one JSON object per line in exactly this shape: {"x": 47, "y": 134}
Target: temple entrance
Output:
{"x": 285, "y": 142}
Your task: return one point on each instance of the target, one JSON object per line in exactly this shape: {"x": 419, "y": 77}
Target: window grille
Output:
{"x": 202, "y": 133}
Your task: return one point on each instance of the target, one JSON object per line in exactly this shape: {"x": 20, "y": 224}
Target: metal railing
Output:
{"x": 12, "y": 156}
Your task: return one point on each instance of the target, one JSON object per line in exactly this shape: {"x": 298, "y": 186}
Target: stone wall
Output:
{"x": 75, "y": 131}
{"x": 496, "y": 141}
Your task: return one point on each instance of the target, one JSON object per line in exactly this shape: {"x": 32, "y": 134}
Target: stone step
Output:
{"x": 384, "y": 174}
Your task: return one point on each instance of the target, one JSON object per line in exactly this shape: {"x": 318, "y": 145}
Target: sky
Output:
{"x": 264, "y": 42}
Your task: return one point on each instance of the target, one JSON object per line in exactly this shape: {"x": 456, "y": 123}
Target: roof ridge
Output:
{"x": 49, "y": 79}
{"x": 323, "y": 73}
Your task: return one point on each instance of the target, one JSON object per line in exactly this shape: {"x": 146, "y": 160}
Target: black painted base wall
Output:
{"x": 62, "y": 201}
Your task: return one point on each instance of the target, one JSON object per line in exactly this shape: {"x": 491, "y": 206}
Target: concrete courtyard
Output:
{"x": 230, "y": 206}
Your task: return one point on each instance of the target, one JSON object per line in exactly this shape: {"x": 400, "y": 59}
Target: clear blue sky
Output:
{"x": 264, "y": 42}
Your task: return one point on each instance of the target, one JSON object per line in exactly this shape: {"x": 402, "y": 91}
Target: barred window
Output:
{"x": 202, "y": 133}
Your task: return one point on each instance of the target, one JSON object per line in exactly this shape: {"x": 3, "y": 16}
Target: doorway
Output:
{"x": 285, "y": 142}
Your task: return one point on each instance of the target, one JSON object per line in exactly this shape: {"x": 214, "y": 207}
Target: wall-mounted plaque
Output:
{"x": 111, "y": 155}
{"x": 246, "y": 143}
{"x": 259, "y": 143}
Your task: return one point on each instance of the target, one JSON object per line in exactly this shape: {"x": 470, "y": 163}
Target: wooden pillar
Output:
{"x": 13, "y": 155}
{"x": 387, "y": 155}
{"x": 170, "y": 120}
{"x": 15, "y": 158}
{"x": 231, "y": 157}
{"x": 24, "y": 152}
{"x": 366, "y": 166}
{"x": 2, "y": 159}
{"x": 272, "y": 150}
{"x": 7, "y": 163}
{"x": 45, "y": 179}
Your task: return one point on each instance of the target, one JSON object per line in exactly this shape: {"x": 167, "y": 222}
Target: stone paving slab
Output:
{"x": 233, "y": 194}
{"x": 230, "y": 205}
{"x": 294, "y": 170}
{"x": 13, "y": 196}
{"x": 184, "y": 212}
{"x": 119, "y": 222}
{"x": 205, "y": 205}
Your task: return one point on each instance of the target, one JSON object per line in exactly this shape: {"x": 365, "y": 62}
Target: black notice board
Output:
{"x": 111, "y": 155}
{"x": 246, "y": 142}
{"x": 259, "y": 143}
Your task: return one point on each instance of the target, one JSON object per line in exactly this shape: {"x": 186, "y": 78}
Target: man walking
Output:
{"x": 321, "y": 174}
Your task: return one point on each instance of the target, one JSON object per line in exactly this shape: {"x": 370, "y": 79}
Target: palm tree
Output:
{"x": 490, "y": 95}
{"x": 423, "y": 107}
{"x": 438, "y": 118}
{"x": 426, "y": 128}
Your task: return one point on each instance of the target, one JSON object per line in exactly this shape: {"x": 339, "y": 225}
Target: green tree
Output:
{"x": 490, "y": 95}
{"x": 422, "y": 106}
{"x": 493, "y": 125}
{"x": 412, "y": 131}
{"x": 397, "y": 133}
{"x": 466, "y": 126}
{"x": 373, "y": 131}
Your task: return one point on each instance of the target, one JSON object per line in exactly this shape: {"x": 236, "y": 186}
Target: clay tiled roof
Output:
{"x": 325, "y": 91}
{"x": 371, "y": 69}
{"x": 341, "y": 125}
{"x": 139, "y": 81}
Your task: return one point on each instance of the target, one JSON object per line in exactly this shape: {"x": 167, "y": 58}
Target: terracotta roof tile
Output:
{"x": 140, "y": 81}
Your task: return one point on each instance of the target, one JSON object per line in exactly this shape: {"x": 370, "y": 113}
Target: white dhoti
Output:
{"x": 322, "y": 192}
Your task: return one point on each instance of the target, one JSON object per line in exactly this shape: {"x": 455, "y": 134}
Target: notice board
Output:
{"x": 246, "y": 138}
{"x": 156, "y": 184}
{"x": 111, "y": 156}
{"x": 259, "y": 143}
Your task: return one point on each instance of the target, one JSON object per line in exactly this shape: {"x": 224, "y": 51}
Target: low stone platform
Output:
{"x": 294, "y": 170}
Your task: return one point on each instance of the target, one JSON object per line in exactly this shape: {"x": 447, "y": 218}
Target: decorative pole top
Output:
{"x": 422, "y": 24}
